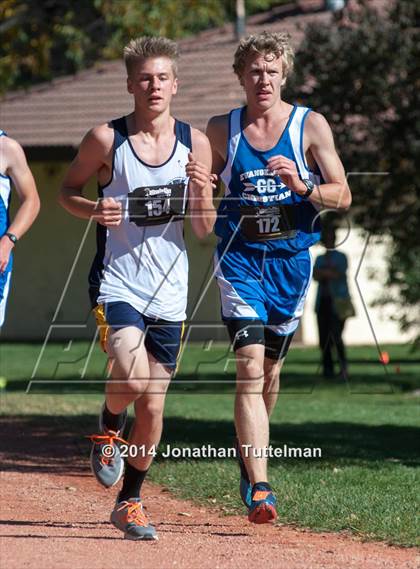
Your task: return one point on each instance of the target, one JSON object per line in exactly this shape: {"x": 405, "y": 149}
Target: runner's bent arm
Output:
{"x": 217, "y": 132}
{"x": 94, "y": 156}
{"x": 13, "y": 163}
{"x": 203, "y": 213}
{"x": 18, "y": 170}
{"x": 335, "y": 192}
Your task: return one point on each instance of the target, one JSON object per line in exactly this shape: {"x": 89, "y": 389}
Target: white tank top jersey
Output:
{"x": 144, "y": 261}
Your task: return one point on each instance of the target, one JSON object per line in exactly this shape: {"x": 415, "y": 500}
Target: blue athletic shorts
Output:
{"x": 162, "y": 340}
{"x": 269, "y": 287}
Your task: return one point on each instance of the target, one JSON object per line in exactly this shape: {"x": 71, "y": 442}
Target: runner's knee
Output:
{"x": 150, "y": 408}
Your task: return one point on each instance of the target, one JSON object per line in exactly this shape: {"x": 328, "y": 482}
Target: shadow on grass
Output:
{"x": 291, "y": 382}
{"x": 36, "y": 443}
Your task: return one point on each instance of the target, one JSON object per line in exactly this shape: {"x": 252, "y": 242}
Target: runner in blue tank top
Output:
{"x": 14, "y": 170}
{"x": 279, "y": 167}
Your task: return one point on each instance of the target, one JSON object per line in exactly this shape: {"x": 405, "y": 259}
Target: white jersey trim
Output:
{"x": 296, "y": 131}
{"x": 233, "y": 306}
{"x": 5, "y": 185}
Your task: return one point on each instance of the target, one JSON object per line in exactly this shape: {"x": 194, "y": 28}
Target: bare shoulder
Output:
{"x": 101, "y": 137}
{"x": 317, "y": 125}
{"x": 199, "y": 139}
{"x": 218, "y": 126}
{"x": 219, "y": 120}
{"x": 201, "y": 148}
{"x": 12, "y": 156}
{"x": 10, "y": 147}
{"x": 96, "y": 147}
{"x": 218, "y": 133}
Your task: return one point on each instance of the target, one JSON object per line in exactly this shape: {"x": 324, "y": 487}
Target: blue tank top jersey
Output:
{"x": 248, "y": 182}
{"x": 5, "y": 195}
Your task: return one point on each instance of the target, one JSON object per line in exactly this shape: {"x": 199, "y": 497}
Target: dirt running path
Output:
{"x": 55, "y": 516}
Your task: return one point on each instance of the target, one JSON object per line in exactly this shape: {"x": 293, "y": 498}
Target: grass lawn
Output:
{"x": 368, "y": 430}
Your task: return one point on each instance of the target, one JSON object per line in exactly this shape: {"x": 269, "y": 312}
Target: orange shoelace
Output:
{"x": 108, "y": 439}
{"x": 135, "y": 513}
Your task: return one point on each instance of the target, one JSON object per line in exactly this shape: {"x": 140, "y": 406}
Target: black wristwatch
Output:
{"x": 310, "y": 186}
{"x": 12, "y": 237}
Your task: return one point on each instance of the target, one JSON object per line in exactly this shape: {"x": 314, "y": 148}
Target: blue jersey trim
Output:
{"x": 285, "y": 130}
{"x": 120, "y": 132}
{"x": 96, "y": 270}
{"x": 9, "y": 201}
{"x": 5, "y": 211}
{"x": 228, "y": 140}
{"x": 120, "y": 136}
{"x": 183, "y": 133}
{"x": 3, "y": 133}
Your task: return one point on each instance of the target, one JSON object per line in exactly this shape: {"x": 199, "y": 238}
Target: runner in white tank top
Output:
{"x": 143, "y": 261}
{"x": 150, "y": 168}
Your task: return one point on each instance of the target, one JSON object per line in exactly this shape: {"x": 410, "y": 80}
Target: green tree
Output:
{"x": 362, "y": 72}
{"x": 43, "y": 40}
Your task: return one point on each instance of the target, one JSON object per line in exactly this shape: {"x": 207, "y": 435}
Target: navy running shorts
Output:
{"x": 162, "y": 337}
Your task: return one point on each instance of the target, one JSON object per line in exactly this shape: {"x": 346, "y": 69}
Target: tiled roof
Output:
{"x": 58, "y": 113}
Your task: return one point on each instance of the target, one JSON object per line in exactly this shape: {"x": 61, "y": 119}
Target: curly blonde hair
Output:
{"x": 277, "y": 43}
{"x": 148, "y": 46}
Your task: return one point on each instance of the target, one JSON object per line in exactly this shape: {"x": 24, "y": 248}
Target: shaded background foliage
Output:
{"x": 362, "y": 72}
{"x": 41, "y": 40}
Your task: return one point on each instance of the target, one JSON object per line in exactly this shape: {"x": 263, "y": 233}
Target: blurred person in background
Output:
{"x": 333, "y": 303}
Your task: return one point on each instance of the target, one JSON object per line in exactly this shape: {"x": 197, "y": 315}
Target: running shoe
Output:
{"x": 129, "y": 517}
{"x": 105, "y": 458}
{"x": 263, "y": 507}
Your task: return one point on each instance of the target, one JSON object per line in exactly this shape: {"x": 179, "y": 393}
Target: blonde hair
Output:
{"x": 277, "y": 43}
{"x": 147, "y": 46}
